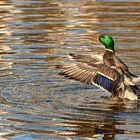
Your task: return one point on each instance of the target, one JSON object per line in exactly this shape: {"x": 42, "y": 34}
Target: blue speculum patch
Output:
{"x": 104, "y": 82}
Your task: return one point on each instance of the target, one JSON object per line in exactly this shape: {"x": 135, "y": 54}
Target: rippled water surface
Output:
{"x": 38, "y": 104}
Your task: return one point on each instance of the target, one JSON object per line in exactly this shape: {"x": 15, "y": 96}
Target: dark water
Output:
{"x": 35, "y": 102}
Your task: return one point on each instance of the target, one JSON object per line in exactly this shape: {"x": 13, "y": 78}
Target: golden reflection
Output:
{"x": 6, "y": 15}
{"x": 55, "y": 26}
{"x": 104, "y": 123}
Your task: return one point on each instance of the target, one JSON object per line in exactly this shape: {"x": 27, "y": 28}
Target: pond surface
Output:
{"x": 38, "y": 104}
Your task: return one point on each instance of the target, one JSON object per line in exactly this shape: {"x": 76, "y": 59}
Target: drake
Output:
{"x": 106, "y": 71}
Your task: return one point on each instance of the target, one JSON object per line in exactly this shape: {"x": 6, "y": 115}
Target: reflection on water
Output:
{"x": 36, "y": 103}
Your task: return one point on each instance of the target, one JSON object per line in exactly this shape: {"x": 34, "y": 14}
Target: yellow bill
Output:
{"x": 94, "y": 38}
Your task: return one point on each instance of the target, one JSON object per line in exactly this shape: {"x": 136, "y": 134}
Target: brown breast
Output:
{"x": 108, "y": 58}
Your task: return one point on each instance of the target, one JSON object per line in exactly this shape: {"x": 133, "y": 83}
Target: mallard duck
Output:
{"x": 107, "y": 72}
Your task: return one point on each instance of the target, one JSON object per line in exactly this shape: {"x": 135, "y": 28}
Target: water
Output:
{"x": 37, "y": 103}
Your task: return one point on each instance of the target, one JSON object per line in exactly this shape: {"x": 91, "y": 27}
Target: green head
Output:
{"x": 107, "y": 41}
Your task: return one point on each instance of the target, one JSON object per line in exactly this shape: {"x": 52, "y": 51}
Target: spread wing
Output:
{"x": 97, "y": 74}
{"x": 89, "y": 59}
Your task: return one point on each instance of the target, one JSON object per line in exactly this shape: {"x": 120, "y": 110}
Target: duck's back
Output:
{"x": 110, "y": 59}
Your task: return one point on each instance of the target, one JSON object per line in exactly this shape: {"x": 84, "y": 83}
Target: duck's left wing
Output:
{"x": 89, "y": 59}
{"x": 98, "y": 74}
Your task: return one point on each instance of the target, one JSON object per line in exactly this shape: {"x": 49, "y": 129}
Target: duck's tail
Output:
{"x": 136, "y": 79}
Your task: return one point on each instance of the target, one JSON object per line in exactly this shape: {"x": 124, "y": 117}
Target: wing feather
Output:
{"x": 97, "y": 74}
{"x": 89, "y": 59}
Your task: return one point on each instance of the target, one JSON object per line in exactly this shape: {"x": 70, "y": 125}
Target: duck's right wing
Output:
{"x": 97, "y": 74}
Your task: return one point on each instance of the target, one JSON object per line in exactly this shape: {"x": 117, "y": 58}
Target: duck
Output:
{"x": 106, "y": 71}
